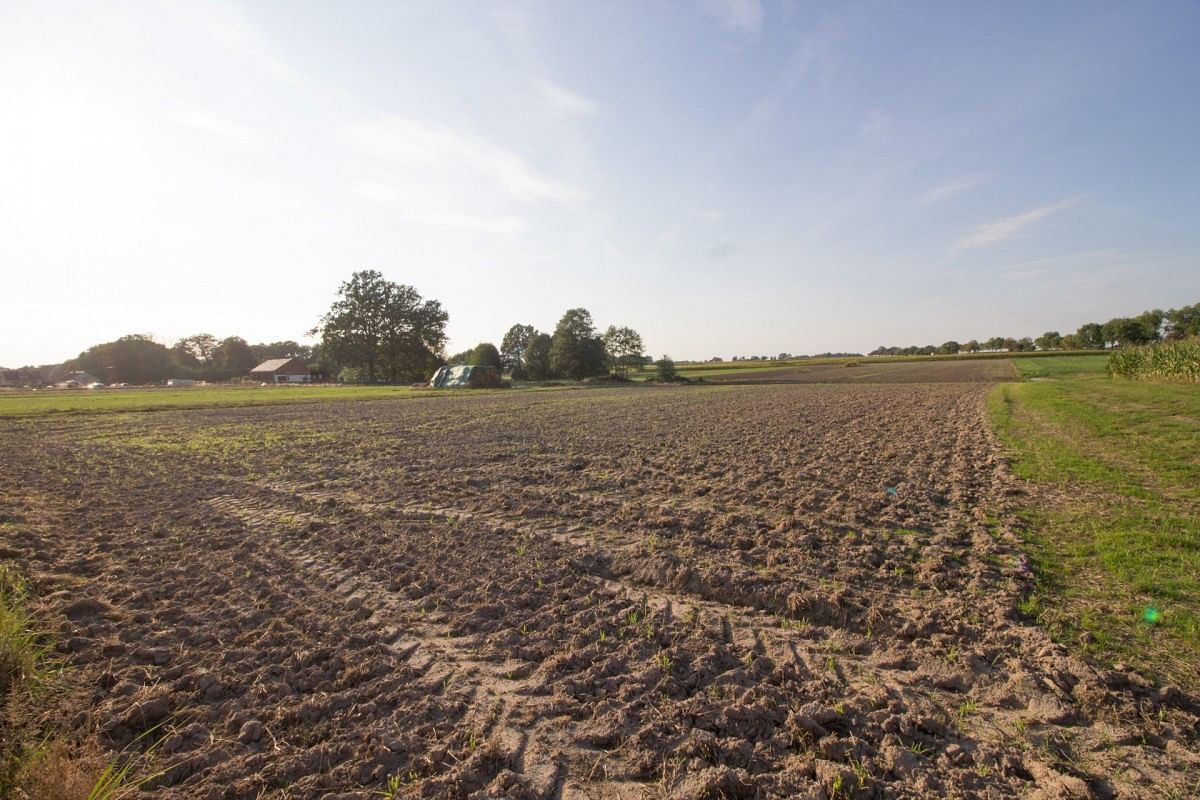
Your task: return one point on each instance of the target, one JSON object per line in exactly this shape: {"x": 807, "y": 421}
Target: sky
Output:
{"x": 727, "y": 177}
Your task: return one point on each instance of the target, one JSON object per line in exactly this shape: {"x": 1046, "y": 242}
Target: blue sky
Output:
{"x": 727, "y": 177}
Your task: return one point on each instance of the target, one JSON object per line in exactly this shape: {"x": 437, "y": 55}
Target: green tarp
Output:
{"x": 466, "y": 377}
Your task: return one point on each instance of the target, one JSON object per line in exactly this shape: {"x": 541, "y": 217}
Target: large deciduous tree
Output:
{"x": 383, "y": 329}
{"x": 232, "y": 358}
{"x": 136, "y": 358}
{"x": 196, "y": 349}
{"x": 285, "y": 349}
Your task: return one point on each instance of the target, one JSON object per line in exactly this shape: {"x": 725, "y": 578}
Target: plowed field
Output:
{"x": 697, "y": 592}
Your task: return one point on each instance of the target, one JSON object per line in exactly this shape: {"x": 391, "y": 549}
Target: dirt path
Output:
{"x": 776, "y": 591}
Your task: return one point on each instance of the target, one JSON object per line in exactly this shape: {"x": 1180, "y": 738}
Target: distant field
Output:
{"x": 873, "y": 371}
{"x": 724, "y": 366}
{"x": 1116, "y": 535}
{"x": 91, "y": 401}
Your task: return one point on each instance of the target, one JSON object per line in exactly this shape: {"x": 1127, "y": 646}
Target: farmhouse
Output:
{"x": 281, "y": 370}
{"x": 72, "y": 379}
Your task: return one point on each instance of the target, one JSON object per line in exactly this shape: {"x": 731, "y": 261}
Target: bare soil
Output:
{"x": 692, "y": 592}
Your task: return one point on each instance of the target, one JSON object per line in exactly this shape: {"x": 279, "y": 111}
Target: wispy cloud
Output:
{"x": 877, "y": 121}
{"x": 1002, "y": 230}
{"x": 564, "y": 101}
{"x": 227, "y": 24}
{"x": 786, "y": 82}
{"x": 949, "y": 189}
{"x": 435, "y": 212}
{"x": 739, "y": 16}
{"x": 465, "y": 156}
{"x": 202, "y": 120}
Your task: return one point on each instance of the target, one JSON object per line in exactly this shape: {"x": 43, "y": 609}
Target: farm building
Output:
{"x": 74, "y": 378}
{"x": 281, "y": 370}
{"x": 26, "y": 376}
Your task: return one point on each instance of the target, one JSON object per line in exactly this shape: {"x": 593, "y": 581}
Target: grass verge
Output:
{"x": 23, "y": 651}
{"x": 1115, "y": 535}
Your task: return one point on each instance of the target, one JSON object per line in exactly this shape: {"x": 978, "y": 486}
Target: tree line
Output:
{"x": 137, "y": 358}
{"x": 1148, "y": 327}
{"x": 375, "y": 331}
{"x": 576, "y": 349}
{"x": 380, "y": 330}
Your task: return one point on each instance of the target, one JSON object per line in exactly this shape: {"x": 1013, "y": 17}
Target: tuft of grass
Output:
{"x": 1115, "y": 538}
{"x": 24, "y": 652}
{"x": 56, "y": 771}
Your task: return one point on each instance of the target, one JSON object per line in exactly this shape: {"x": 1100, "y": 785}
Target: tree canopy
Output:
{"x": 624, "y": 347}
{"x": 135, "y": 358}
{"x": 512, "y": 348}
{"x": 537, "y": 357}
{"x": 575, "y": 350}
{"x": 383, "y": 329}
{"x": 486, "y": 354}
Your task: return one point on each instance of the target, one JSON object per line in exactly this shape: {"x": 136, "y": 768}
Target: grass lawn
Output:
{"x": 1116, "y": 536}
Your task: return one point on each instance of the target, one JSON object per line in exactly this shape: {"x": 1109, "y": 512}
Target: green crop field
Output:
{"x": 1116, "y": 533}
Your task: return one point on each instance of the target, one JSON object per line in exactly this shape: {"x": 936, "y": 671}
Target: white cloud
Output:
{"x": 432, "y": 210}
{"x": 210, "y": 123}
{"x": 877, "y": 121}
{"x": 412, "y": 143}
{"x": 799, "y": 65}
{"x": 1002, "y": 230}
{"x": 739, "y": 16}
{"x": 947, "y": 190}
{"x": 564, "y": 101}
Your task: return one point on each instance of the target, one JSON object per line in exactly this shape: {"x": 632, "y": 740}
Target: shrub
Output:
{"x": 666, "y": 369}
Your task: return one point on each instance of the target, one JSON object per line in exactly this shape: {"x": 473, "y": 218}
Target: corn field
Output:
{"x": 1177, "y": 362}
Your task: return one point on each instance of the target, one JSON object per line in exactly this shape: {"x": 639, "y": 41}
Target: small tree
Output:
{"x": 575, "y": 350}
{"x": 485, "y": 354}
{"x": 1050, "y": 340}
{"x": 1091, "y": 336}
{"x": 949, "y": 348}
{"x": 666, "y": 369}
{"x": 624, "y": 347}
{"x": 512, "y": 348}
